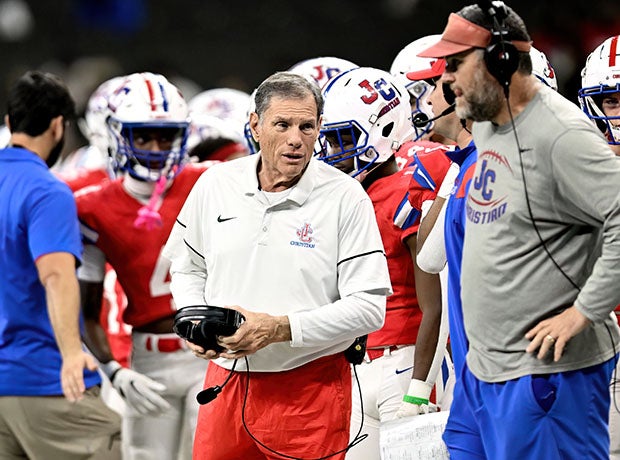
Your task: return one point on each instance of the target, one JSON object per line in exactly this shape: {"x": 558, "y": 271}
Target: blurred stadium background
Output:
{"x": 207, "y": 44}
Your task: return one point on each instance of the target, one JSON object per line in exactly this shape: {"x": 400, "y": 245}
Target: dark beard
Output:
{"x": 55, "y": 152}
{"x": 484, "y": 103}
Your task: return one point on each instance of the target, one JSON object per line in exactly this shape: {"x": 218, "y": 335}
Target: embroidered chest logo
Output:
{"x": 304, "y": 235}
{"x": 483, "y": 203}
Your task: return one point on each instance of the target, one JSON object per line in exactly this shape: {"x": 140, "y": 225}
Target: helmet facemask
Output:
{"x": 150, "y": 165}
{"x": 345, "y": 147}
{"x": 591, "y": 101}
{"x": 600, "y": 81}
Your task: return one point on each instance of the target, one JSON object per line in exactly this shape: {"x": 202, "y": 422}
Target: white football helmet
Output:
{"x": 600, "y": 78}
{"x": 253, "y": 146}
{"x": 227, "y": 104}
{"x": 366, "y": 118}
{"x": 322, "y": 69}
{"x": 423, "y": 71}
{"x": 142, "y": 105}
{"x": 541, "y": 68}
{"x": 5, "y": 136}
{"x": 94, "y": 124}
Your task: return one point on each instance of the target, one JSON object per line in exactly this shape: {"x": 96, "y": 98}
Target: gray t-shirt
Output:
{"x": 509, "y": 282}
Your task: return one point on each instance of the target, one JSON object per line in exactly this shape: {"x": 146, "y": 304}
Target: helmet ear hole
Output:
{"x": 387, "y": 129}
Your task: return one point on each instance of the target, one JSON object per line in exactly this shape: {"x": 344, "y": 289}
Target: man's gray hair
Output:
{"x": 286, "y": 85}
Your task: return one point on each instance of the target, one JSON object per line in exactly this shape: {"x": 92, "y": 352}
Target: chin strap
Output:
{"x": 148, "y": 216}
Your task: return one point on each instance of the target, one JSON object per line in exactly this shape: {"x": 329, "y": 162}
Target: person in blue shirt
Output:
{"x": 442, "y": 231}
{"x": 49, "y": 388}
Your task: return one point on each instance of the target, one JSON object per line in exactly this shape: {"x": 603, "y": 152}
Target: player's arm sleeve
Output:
{"x": 184, "y": 249}
{"x": 93, "y": 264}
{"x": 431, "y": 255}
{"x": 363, "y": 283}
{"x": 588, "y": 175}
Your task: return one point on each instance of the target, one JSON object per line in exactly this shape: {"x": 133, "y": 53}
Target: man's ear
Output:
{"x": 6, "y": 122}
{"x": 57, "y": 127}
{"x": 254, "y": 122}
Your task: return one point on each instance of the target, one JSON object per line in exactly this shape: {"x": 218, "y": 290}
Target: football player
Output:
{"x": 599, "y": 95}
{"x": 126, "y": 223}
{"x": 599, "y": 98}
{"x": 218, "y": 118}
{"x": 322, "y": 70}
{"x": 366, "y": 119}
{"x": 426, "y": 72}
{"x": 90, "y": 165}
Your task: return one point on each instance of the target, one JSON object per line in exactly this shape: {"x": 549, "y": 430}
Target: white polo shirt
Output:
{"x": 295, "y": 256}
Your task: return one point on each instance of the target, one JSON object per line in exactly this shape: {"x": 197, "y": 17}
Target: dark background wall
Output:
{"x": 209, "y": 44}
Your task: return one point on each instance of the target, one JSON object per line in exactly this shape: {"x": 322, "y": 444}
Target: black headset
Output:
{"x": 501, "y": 56}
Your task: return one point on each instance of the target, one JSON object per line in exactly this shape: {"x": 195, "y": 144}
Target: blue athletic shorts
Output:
{"x": 561, "y": 416}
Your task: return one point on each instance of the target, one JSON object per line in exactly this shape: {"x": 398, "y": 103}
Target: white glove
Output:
{"x": 448, "y": 181}
{"x": 415, "y": 401}
{"x": 139, "y": 392}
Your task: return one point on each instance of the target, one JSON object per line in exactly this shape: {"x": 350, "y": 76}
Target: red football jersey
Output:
{"x": 84, "y": 178}
{"x": 108, "y": 213}
{"x": 114, "y": 300}
{"x": 397, "y": 221}
{"x": 404, "y": 155}
{"x": 429, "y": 170}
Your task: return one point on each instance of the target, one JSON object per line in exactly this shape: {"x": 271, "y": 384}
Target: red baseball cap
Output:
{"x": 461, "y": 35}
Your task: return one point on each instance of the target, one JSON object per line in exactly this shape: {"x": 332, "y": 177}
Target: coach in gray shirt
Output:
{"x": 541, "y": 259}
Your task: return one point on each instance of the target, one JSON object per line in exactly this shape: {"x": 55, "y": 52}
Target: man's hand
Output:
{"x": 72, "y": 374}
{"x": 555, "y": 332}
{"x": 256, "y": 332}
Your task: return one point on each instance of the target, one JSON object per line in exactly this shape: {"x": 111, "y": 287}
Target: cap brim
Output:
{"x": 444, "y": 48}
{"x": 435, "y": 71}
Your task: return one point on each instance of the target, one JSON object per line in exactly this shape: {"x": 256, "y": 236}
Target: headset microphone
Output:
{"x": 209, "y": 394}
{"x": 420, "y": 120}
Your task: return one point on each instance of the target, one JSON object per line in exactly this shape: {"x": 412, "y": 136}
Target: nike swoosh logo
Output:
{"x": 400, "y": 371}
{"x": 224, "y": 219}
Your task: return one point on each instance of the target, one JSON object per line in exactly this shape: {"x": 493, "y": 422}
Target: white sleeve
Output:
{"x": 363, "y": 284}
{"x": 365, "y": 310}
{"x": 432, "y": 256}
{"x": 444, "y": 331}
{"x": 188, "y": 269}
{"x": 93, "y": 265}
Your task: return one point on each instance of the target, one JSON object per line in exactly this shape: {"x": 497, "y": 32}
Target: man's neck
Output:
{"x": 140, "y": 190}
{"x": 34, "y": 144}
{"x": 464, "y": 137}
{"x": 384, "y": 169}
{"x": 272, "y": 181}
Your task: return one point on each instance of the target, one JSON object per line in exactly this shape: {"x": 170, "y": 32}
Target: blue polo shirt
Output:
{"x": 37, "y": 216}
{"x": 454, "y": 235}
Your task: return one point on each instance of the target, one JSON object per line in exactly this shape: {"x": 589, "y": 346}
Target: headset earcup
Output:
{"x": 502, "y": 61}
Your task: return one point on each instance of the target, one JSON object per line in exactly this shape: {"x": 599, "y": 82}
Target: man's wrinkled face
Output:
{"x": 287, "y": 132}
